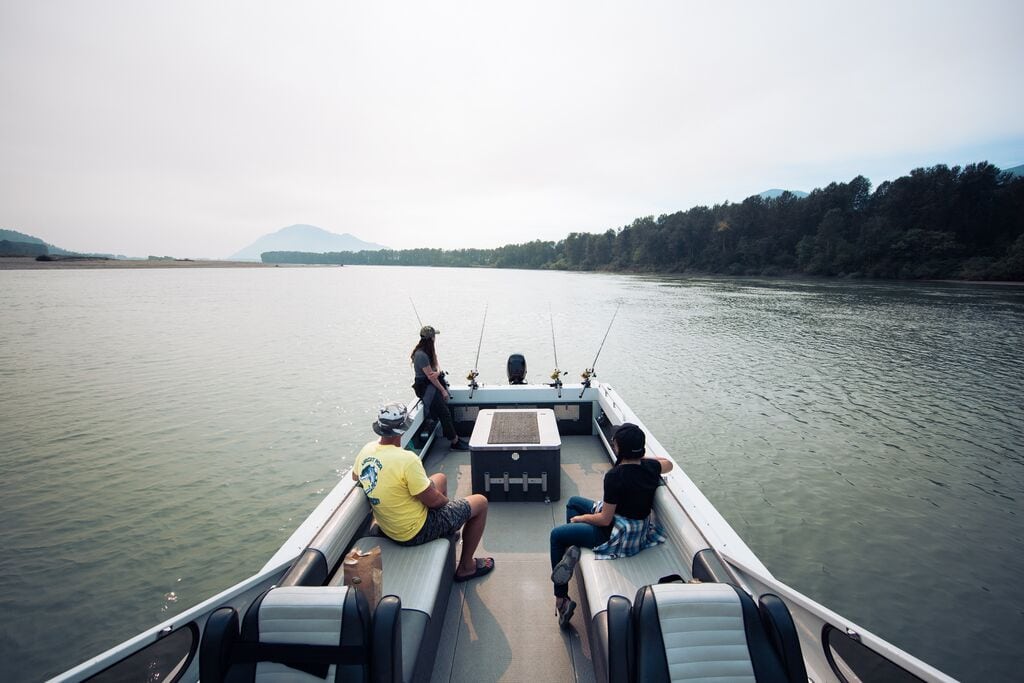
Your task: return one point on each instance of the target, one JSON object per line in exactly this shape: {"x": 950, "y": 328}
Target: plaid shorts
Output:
{"x": 441, "y": 522}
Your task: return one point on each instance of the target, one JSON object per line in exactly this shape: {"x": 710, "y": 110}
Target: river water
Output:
{"x": 163, "y": 431}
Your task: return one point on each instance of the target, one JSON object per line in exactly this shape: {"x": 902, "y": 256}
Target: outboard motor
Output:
{"x": 516, "y": 369}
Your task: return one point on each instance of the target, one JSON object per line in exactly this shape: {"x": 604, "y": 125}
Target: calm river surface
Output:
{"x": 163, "y": 431}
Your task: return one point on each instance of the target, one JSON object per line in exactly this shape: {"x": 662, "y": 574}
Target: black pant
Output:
{"x": 435, "y": 406}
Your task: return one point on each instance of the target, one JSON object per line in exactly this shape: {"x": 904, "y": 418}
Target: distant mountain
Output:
{"x": 307, "y": 238}
{"x": 15, "y": 236}
{"x": 775, "y": 193}
{"x": 38, "y": 246}
{"x": 1016, "y": 170}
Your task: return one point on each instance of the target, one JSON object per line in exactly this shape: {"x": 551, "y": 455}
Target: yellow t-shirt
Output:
{"x": 392, "y": 477}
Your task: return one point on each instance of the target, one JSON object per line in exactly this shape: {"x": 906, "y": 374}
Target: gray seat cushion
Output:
{"x": 412, "y": 573}
{"x": 624, "y": 576}
{"x": 417, "y": 575}
{"x": 703, "y": 632}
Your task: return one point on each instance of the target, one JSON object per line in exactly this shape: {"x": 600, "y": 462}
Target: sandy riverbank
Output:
{"x": 29, "y": 263}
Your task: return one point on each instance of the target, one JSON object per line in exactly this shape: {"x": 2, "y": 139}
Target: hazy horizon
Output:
{"x": 194, "y": 129}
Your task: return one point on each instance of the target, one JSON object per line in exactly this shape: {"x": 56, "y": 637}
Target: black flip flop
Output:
{"x": 481, "y": 570}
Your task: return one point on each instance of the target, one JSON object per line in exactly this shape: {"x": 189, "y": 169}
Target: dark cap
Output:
{"x": 631, "y": 440}
{"x": 428, "y": 332}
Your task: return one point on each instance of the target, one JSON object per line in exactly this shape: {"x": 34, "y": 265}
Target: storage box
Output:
{"x": 516, "y": 455}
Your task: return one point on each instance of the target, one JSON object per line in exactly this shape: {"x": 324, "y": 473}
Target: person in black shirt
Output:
{"x": 629, "y": 489}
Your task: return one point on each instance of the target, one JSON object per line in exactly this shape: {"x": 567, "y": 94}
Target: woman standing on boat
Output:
{"x": 620, "y": 525}
{"x": 430, "y": 386}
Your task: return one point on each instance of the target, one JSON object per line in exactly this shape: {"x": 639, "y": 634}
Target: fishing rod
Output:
{"x": 416, "y": 312}
{"x": 589, "y": 372}
{"x": 473, "y": 374}
{"x": 556, "y": 374}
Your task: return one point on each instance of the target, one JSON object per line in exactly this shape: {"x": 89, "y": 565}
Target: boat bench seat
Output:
{"x": 599, "y": 580}
{"x": 421, "y": 576}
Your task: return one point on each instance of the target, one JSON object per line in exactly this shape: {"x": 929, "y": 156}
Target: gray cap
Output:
{"x": 392, "y": 420}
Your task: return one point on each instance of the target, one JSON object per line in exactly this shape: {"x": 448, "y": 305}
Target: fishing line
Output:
{"x": 556, "y": 374}
{"x": 589, "y": 372}
{"x": 473, "y": 374}
{"x": 416, "y": 312}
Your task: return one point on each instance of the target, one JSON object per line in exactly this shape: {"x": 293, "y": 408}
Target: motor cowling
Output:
{"x": 516, "y": 369}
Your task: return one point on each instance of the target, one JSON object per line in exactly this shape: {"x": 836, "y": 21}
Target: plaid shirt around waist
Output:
{"x": 629, "y": 536}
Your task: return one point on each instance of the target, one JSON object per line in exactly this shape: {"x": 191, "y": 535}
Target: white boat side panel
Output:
{"x": 238, "y": 596}
{"x": 678, "y": 527}
{"x": 521, "y": 394}
{"x": 342, "y": 526}
{"x": 811, "y": 617}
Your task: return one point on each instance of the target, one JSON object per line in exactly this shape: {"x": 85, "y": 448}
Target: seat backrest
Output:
{"x": 301, "y": 633}
{"x": 688, "y": 632}
{"x": 620, "y": 647}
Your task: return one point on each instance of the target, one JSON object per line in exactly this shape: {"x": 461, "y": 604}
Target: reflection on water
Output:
{"x": 162, "y": 432}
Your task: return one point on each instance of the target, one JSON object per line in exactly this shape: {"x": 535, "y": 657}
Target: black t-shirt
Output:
{"x": 631, "y": 487}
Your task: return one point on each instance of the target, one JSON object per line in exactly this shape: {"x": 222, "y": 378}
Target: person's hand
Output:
{"x": 445, "y": 394}
{"x": 576, "y": 518}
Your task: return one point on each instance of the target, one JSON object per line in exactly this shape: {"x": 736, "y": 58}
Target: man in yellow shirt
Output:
{"x": 410, "y": 507}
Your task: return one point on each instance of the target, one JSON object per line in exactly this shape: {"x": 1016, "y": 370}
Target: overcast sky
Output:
{"x": 193, "y": 128}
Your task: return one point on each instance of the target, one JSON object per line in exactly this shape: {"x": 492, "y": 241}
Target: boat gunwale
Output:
{"x": 104, "y": 660}
{"x": 826, "y": 616}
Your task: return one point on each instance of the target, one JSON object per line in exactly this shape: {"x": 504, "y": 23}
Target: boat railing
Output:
{"x": 831, "y": 642}
{"x": 133, "y": 659}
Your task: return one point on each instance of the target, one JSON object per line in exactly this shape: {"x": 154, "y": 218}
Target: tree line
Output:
{"x": 938, "y": 222}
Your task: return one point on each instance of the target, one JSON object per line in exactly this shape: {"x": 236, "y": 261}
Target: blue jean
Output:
{"x": 579, "y": 533}
{"x": 435, "y": 406}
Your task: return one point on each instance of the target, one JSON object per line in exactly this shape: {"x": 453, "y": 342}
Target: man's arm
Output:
{"x": 432, "y": 498}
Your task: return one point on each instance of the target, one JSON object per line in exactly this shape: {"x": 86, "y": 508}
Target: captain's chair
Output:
{"x": 307, "y": 634}
{"x": 705, "y": 631}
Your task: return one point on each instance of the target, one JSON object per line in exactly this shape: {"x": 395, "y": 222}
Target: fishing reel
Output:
{"x": 586, "y": 375}
{"x": 471, "y": 378}
{"x": 556, "y": 377}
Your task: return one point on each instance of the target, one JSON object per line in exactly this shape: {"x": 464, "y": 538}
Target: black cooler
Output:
{"x": 516, "y": 454}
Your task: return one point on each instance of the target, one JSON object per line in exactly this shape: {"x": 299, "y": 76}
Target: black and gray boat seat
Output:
{"x": 305, "y": 634}
{"x": 704, "y": 631}
{"x": 599, "y": 580}
{"x": 422, "y": 577}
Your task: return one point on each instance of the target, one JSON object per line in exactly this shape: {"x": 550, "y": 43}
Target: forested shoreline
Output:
{"x": 938, "y": 222}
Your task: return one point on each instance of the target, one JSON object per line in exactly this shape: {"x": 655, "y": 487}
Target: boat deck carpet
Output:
{"x": 502, "y": 627}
